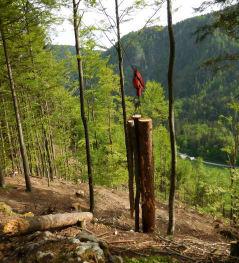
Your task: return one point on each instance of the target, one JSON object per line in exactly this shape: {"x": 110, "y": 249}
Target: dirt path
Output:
{"x": 112, "y": 223}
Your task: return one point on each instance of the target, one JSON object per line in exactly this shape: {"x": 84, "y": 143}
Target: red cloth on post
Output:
{"x": 138, "y": 82}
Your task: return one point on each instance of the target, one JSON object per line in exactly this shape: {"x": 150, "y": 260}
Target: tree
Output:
{"x": 16, "y": 107}
{"x": 76, "y": 22}
{"x": 231, "y": 148}
{"x": 122, "y": 91}
{"x": 171, "y": 223}
{"x": 226, "y": 21}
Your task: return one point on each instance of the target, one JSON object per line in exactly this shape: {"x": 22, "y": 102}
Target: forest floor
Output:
{"x": 196, "y": 237}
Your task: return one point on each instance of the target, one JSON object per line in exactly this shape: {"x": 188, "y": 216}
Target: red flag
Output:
{"x": 138, "y": 82}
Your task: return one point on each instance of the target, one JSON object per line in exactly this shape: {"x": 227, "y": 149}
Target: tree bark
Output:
{"x": 122, "y": 89}
{"x": 82, "y": 104}
{"x": 22, "y": 226}
{"x": 136, "y": 148}
{"x": 17, "y": 114}
{"x": 2, "y": 158}
{"x": 8, "y": 135}
{"x": 131, "y": 134}
{"x": 171, "y": 222}
{"x": 147, "y": 175}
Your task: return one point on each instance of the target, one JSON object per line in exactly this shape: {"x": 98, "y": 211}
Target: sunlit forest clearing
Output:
{"x": 119, "y": 152}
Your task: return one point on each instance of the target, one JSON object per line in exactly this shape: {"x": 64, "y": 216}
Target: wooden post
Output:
{"x": 131, "y": 135}
{"x": 146, "y": 174}
{"x": 136, "y": 147}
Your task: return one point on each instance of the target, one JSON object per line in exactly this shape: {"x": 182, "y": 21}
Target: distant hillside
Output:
{"x": 148, "y": 50}
{"x": 61, "y": 51}
{"x": 202, "y": 95}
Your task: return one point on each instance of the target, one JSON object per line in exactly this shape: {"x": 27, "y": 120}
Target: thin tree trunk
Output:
{"x": 171, "y": 222}
{"x": 2, "y": 178}
{"x": 2, "y": 157}
{"x": 8, "y": 136}
{"x": 17, "y": 115}
{"x": 121, "y": 71}
{"x": 47, "y": 147}
{"x": 51, "y": 144}
{"x": 131, "y": 133}
{"x": 82, "y": 102}
{"x": 110, "y": 130}
{"x": 137, "y": 171}
{"x": 48, "y": 154}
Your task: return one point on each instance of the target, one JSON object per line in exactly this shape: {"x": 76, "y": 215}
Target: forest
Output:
{"x": 78, "y": 182}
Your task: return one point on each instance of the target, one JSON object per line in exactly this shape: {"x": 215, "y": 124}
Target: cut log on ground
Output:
{"x": 22, "y": 226}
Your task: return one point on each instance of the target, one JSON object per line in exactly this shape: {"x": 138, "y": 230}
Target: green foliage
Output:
{"x": 204, "y": 187}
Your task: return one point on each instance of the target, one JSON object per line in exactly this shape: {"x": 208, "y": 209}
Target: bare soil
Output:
{"x": 196, "y": 237}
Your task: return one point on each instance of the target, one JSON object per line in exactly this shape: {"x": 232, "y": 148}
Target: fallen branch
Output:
{"x": 122, "y": 241}
{"x": 22, "y": 226}
{"x": 104, "y": 234}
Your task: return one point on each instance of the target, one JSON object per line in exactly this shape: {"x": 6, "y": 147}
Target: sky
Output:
{"x": 63, "y": 32}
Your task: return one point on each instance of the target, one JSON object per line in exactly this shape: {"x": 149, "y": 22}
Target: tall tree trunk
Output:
{"x": 48, "y": 154}
{"x": 8, "y": 135}
{"x": 171, "y": 222}
{"x": 121, "y": 71}
{"x": 110, "y": 130}
{"x": 76, "y": 20}
{"x": 2, "y": 157}
{"x": 17, "y": 115}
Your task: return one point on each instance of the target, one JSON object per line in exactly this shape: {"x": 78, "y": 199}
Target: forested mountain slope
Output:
{"x": 148, "y": 50}
{"x": 202, "y": 94}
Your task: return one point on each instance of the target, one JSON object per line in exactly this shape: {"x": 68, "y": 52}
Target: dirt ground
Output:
{"x": 196, "y": 238}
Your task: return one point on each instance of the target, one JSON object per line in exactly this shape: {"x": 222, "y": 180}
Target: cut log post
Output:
{"x": 131, "y": 135}
{"x": 146, "y": 174}
{"x": 136, "y": 147}
{"x": 21, "y": 226}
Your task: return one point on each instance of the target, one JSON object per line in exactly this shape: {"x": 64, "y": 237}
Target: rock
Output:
{"x": 74, "y": 241}
{"x": 117, "y": 259}
{"x": 44, "y": 256}
{"x": 103, "y": 245}
{"x": 87, "y": 251}
{"x": 80, "y": 194}
{"x": 84, "y": 237}
{"x": 33, "y": 236}
{"x": 46, "y": 235}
